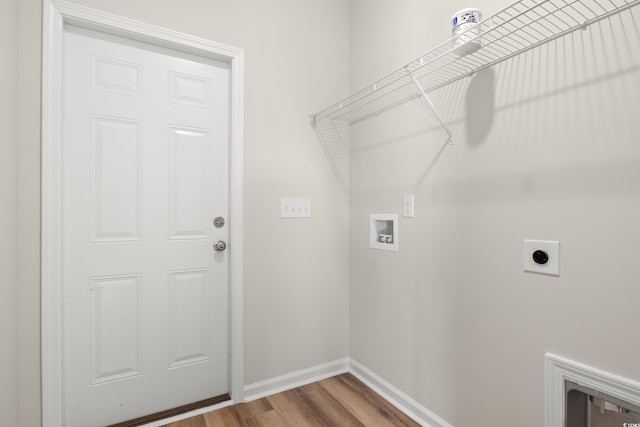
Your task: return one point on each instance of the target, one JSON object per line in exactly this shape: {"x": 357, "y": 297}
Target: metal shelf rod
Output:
{"x": 435, "y": 112}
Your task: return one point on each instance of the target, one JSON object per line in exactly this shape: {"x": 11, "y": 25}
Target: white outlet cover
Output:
{"x": 551, "y": 248}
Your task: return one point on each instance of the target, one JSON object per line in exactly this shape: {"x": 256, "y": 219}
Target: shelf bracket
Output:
{"x": 426, "y": 98}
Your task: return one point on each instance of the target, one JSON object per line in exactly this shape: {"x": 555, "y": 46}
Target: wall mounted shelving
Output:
{"x": 519, "y": 27}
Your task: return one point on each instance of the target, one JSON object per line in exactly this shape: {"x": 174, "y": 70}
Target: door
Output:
{"x": 145, "y": 172}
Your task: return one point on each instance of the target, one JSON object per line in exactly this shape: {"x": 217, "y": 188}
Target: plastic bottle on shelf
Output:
{"x": 464, "y": 29}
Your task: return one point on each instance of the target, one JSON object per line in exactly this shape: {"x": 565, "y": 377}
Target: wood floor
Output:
{"x": 338, "y": 401}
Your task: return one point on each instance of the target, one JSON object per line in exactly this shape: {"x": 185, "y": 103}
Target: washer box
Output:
{"x": 383, "y": 232}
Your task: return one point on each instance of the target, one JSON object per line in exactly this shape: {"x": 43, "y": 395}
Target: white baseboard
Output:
{"x": 397, "y": 398}
{"x": 295, "y": 379}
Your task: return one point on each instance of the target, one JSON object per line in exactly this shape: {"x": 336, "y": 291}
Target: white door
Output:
{"x": 145, "y": 172}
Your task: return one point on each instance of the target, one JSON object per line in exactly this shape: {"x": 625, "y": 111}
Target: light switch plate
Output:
{"x": 547, "y": 254}
{"x": 408, "y": 206}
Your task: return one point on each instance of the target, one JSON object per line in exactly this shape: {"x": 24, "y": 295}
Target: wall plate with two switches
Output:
{"x": 408, "y": 206}
{"x": 542, "y": 256}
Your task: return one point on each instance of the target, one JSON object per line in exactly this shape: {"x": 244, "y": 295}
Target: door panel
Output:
{"x": 115, "y": 149}
{"x": 189, "y": 319}
{"x": 115, "y": 328}
{"x": 145, "y": 171}
{"x": 189, "y": 182}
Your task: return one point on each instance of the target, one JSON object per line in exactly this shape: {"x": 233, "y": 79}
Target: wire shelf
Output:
{"x": 519, "y": 27}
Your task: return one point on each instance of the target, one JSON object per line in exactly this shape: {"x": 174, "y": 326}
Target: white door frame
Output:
{"x": 57, "y": 14}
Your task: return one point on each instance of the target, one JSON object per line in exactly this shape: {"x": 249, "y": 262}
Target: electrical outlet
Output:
{"x": 542, "y": 256}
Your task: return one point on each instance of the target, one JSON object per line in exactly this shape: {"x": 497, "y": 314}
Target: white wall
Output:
{"x": 546, "y": 147}
{"x": 9, "y": 213}
{"x": 296, "y": 271}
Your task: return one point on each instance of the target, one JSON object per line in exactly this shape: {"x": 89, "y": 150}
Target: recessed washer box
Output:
{"x": 542, "y": 256}
{"x": 383, "y": 232}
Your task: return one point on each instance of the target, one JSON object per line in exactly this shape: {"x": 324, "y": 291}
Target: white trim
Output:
{"x": 397, "y": 398}
{"x": 56, "y": 14}
{"x": 295, "y": 379}
{"x": 51, "y": 247}
{"x": 559, "y": 369}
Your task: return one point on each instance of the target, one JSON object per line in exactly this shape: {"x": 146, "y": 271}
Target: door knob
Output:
{"x": 220, "y": 246}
